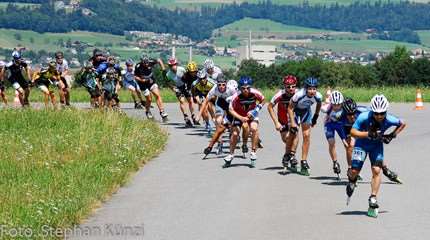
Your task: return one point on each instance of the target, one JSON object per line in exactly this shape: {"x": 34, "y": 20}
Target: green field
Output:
{"x": 361, "y": 45}
{"x": 54, "y": 174}
{"x": 425, "y": 37}
{"x": 265, "y": 25}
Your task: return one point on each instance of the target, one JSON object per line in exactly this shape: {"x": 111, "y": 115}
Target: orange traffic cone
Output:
{"x": 419, "y": 105}
{"x": 16, "y": 101}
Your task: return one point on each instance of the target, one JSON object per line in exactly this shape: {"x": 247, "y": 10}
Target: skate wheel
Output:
{"x": 373, "y": 212}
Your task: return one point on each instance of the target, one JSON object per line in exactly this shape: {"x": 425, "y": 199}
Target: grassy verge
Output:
{"x": 58, "y": 165}
{"x": 394, "y": 94}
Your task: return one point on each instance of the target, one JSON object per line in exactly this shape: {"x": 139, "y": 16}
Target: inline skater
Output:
{"x": 188, "y": 78}
{"x": 244, "y": 107}
{"x": 20, "y": 82}
{"x": 88, "y": 78}
{"x": 144, "y": 75}
{"x": 62, "y": 67}
{"x": 213, "y": 71}
{"x": 46, "y": 77}
{"x": 2, "y": 87}
{"x": 200, "y": 89}
{"x": 280, "y": 120}
{"x": 369, "y": 131}
{"x": 131, "y": 84}
{"x": 300, "y": 110}
{"x": 183, "y": 94}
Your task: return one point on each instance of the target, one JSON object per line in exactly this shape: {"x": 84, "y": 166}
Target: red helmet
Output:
{"x": 172, "y": 61}
{"x": 290, "y": 80}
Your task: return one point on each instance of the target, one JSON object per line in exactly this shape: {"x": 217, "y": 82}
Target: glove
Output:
{"x": 387, "y": 138}
{"x": 294, "y": 130}
{"x": 314, "y": 119}
{"x": 373, "y": 135}
{"x": 284, "y": 128}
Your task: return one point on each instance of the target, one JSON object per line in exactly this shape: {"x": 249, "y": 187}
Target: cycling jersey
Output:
{"x": 63, "y": 67}
{"x": 188, "y": 79}
{"x": 46, "y": 77}
{"x": 283, "y": 100}
{"x": 221, "y": 97}
{"x": 304, "y": 102}
{"x": 176, "y": 77}
{"x": 216, "y": 73}
{"x": 129, "y": 81}
{"x": 16, "y": 73}
{"x": 242, "y": 105}
{"x": 203, "y": 89}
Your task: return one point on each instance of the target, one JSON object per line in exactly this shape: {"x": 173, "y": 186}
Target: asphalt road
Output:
{"x": 180, "y": 196}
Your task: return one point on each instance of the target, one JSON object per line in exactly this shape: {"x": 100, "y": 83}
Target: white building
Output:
{"x": 264, "y": 54}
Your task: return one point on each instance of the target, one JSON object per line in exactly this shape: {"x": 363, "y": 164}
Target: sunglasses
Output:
{"x": 245, "y": 88}
{"x": 380, "y": 114}
{"x": 290, "y": 86}
{"x": 221, "y": 84}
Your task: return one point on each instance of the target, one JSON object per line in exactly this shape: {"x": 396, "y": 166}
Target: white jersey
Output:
{"x": 214, "y": 92}
{"x": 176, "y": 77}
{"x": 216, "y": 73}
{"x": 304, "y": 102}
{"x": 333, "y": 116}
{"x": 63, "y": 67}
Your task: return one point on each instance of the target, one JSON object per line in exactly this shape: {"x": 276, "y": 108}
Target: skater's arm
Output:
{"x": 163, "y": 68}
{"x": 359, "y": 134}
{"x": 273, "y": 116}
{"x": 203, "y": 108}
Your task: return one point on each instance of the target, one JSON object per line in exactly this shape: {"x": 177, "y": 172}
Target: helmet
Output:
{"x": 221, "y": 79}
{"x": 16, "y": 55}
{"x": 290, "y": 80}
{"x": 51, "y": 64}
{"x": 192, "y": 67}
{"x": 172, "y": 61}
{"x": 379, "y": 103}
{"x": 209, "y": 63}
{"x": 232, "y": 84}
{"x": 349, "y": 105}
{"x": 311, "y": 82}
{"x": 245, "y": 81}
{"x": 97, "y": 52}
{"x": 59, "y": 55}
{"x": 201, "y": 74}
{"x": 144, "y": 58}
{"x": 336, "y": 97}
{"x": 110, "y": 71}
{"x": 129, "y": 62}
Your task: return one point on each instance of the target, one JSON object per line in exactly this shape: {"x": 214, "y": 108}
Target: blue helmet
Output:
{"x": 311, "y": 82}
{"x": 245, "y": 81}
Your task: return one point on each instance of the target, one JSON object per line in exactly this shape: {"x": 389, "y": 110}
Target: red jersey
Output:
{"x": 242, "y": 105}
{"x": 283, "y": 100}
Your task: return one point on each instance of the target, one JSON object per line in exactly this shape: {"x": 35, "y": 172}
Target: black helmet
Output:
{"x": 349, "y": 106}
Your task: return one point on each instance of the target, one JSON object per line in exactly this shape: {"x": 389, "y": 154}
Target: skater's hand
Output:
{"x": 278, "y": 126}
{"x": 244, "y": 119}
{"x": 373, "y": 135}
{"x": 387, "y": 138}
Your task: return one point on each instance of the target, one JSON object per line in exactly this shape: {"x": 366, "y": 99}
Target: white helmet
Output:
{"x": 379, "y": 103}
{"x": 201, "y": 74}
{"x": 209, "y": 63}
{"x": 336, "y": 97}
{"x": 232, "y": 84}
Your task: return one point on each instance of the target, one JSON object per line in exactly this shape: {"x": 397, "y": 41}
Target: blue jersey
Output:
{"x": 346, "y": 122}
{"x": 101, "y": 69}
{"x": 366, "y": 122}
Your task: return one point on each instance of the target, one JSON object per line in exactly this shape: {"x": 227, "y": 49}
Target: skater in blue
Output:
{"x": 369, "y": 131}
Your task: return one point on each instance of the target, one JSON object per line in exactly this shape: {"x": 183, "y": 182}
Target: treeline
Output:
{"x": 120, "y": 16}
{"x": 404, "y": 35}
{"x": 395, "y": 69}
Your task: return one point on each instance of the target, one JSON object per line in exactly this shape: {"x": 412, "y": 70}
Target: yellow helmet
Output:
{"x": 192, "y": 67}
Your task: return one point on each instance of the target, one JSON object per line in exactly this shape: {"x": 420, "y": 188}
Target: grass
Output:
{"x": 360, "y": 45}
{"x": 265, "y": 25}
{"x": 425, "y": 37}
{"x": 361, "y": 94}
{"x": 58, "y": 165}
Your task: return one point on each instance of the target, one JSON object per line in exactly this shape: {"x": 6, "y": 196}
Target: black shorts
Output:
{"x": 22, "y": 82}
{"x": 94, "y": 92}
{"x": 182, "y": 91}
{"x": 63, "y": 80}
{"x": 146, "y": 85}
{"x": 108, "y": 95}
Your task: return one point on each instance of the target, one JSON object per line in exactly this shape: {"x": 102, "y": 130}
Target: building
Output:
{"x": 264, "y": 54}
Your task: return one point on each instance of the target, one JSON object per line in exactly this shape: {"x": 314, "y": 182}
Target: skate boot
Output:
{"x": 188, "y": 122}
{"x": 373, "y": 207}
{"x": 164, "y": 116}
{"x": 244, "y": 150}
{"x": 195, "y": 122}
{"x": 149, "y": 115}
{"x": 336, "y": 169}
{"x": 207, "y": 151}
{"x": 350, "y": 187}
{"x": 391, "y": 175}
{"x": 227, "y": 161}
{"x": 293, "y": 163}
{"x": 220, "y": 145}
{"x": 304, "y": 168}
{"x": 138, "y": 105}
{"x": 253, "y": 158}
